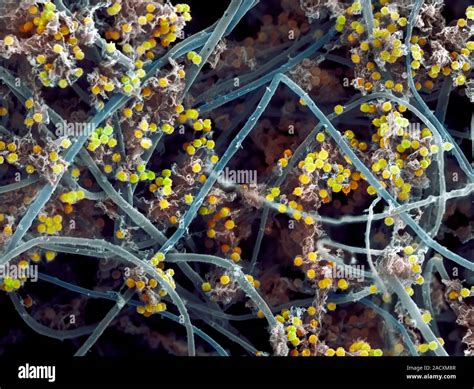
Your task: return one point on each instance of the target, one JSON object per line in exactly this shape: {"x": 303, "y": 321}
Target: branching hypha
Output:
{"x": 304, "y": 190}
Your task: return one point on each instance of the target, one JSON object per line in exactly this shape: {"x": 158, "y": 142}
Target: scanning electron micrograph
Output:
{"x": 236, "y": 178}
